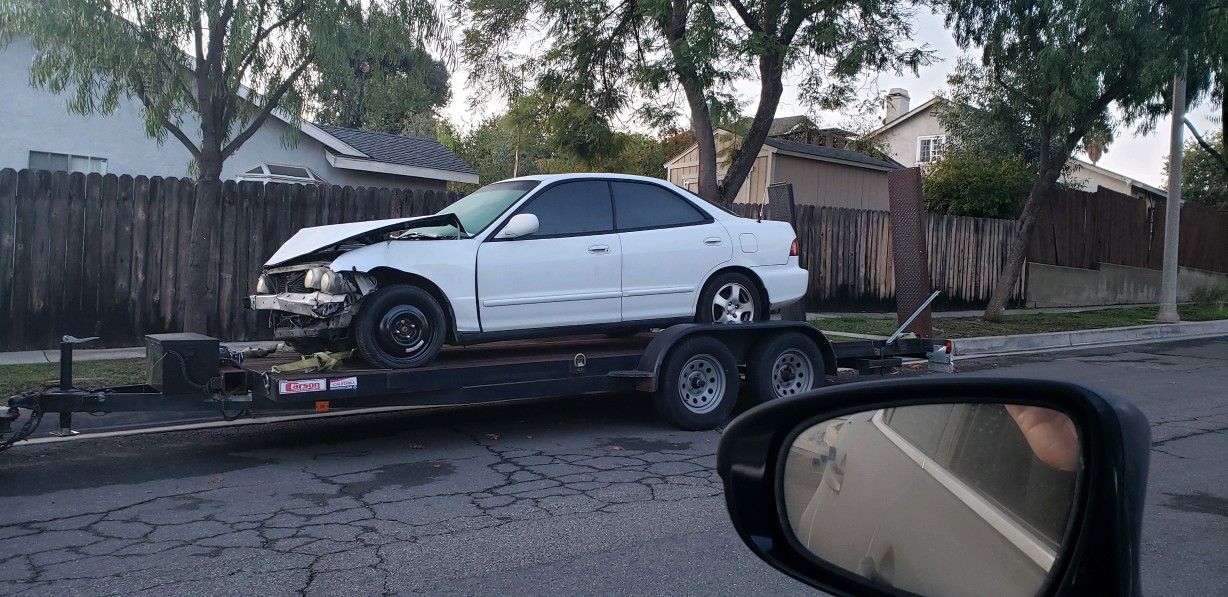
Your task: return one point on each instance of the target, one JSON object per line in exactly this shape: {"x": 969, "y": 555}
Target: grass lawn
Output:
{"x": 1026, "y": 323}
{"x": 86, "y": 374}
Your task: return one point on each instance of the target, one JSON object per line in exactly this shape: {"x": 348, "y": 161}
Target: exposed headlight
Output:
{"x": 264, "y": 285}
{"x": 313, "y": 277}
{"x": 332, "y": 282}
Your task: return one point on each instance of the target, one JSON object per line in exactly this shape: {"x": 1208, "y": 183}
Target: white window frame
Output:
{"x": 103, "y": 162}
{"x": 267, "y": 176}
{"x": 937, "y": 142}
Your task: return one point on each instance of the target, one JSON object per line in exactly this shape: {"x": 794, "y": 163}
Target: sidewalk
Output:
{"x": 39, "y": 357}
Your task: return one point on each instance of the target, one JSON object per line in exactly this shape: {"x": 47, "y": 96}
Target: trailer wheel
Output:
{"x": 400, "y": 327}
{"x": 784, "y": 365}
{"x": 698, "y": 385}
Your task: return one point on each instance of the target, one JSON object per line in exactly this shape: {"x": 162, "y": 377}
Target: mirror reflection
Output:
{"x": 941, "y": 499}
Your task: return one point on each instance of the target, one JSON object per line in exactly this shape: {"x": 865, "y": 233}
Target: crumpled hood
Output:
{"x": 317, "y": 238}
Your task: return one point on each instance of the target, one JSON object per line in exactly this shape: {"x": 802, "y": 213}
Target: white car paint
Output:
{"x": 530, "y": 283}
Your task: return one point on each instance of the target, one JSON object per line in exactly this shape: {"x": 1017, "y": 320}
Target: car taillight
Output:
{"x": 794, "y": 249}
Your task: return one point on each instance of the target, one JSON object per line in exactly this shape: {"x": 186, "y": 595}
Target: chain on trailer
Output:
{"x": 27, "y": 429}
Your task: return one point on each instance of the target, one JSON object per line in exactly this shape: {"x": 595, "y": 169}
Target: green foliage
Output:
{"x": 1209, "y": 295}
{"x": 1204, "y": 178}
{"x": 193, "y": 65}
{"x": 967, "y": 183}
{"x": 389, "y": 82}
{"x": 649, "y": 57}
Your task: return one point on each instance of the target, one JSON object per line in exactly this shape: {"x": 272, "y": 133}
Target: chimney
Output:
{"x": 896, "y": 104}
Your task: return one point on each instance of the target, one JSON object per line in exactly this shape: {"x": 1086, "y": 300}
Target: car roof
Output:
{"x": 587, "y": 175}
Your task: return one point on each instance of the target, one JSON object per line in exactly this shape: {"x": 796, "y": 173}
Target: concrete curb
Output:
{"x": 988, "y": 345}
{"x": 39, "y": 357}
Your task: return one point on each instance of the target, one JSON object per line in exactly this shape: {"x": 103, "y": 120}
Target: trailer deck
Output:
{"x": 202, "y": 379}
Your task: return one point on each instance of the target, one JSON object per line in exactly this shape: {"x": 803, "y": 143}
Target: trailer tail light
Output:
{"x": 794, "y": 249}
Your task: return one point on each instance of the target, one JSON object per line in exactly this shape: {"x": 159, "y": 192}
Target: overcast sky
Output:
{"x": 1138, "y": 156}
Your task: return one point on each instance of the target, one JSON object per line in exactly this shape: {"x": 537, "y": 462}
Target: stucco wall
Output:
{"x": 1088, "y": 180}
{"x": 900, "y": 142}
{"x": 1056, "y": 286}
{"x": 36, "y": 120}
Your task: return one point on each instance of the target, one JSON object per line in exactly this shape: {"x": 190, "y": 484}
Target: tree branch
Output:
{"x": 254, "y": 48}
{"x": 269, "y": 105}
{"x": 171, "y": 127}
{"x": 1207, "y": 146}
{"x": 752, "y": 21}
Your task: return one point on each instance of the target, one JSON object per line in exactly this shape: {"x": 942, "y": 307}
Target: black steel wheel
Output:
{"x": 698, "y": 385}
{"x": 784, "y": 365}
{"x": 400, "y": 327}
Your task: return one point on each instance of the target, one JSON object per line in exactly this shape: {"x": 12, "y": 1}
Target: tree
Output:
{"x": 388, "y": 81}
{"x": 970, "y": 183}
{"x": 1048, "y": 74}
{"x": 611, "y": 54}
{"x": 227, "y": 64}
{"x": 1205, "y": 179}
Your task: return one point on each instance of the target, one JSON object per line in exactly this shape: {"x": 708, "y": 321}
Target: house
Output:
{"x": 40, "y": 132}
{"x": 915, "y": 137}
{"x": 821, "y": 171}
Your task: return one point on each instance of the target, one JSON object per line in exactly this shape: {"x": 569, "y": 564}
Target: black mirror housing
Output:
{"x": 1101, "y": 550}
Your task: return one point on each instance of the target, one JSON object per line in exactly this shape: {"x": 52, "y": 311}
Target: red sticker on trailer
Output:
{"x": 300, "y": 386}
{"x": 343, "y": 383}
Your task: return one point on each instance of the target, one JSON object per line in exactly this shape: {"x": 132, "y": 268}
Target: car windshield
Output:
{"x": 477, "y": 210}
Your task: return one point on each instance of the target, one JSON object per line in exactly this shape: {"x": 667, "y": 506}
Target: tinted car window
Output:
{"x": 640, "y": 205}
{"x": 921, "y": 425}
{"x": 572, "y": 208}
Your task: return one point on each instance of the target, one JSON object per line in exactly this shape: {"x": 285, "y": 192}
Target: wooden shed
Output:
{"x": 821, "y": 175}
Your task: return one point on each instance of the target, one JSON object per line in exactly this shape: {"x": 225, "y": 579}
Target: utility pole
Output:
{"x": 1172, "y": 213}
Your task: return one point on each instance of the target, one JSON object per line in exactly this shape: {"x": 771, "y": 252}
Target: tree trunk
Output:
{"x": 771, "y": 71}
{"x": 203, "y": 298}
{"x": 705, "y": 139}
{"x": 1016, "y": 254}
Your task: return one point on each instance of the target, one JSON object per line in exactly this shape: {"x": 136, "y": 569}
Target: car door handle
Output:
{"x": 599, "y": 249}
{"x": 712, "y": 241}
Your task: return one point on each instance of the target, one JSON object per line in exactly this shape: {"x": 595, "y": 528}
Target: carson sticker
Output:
{"x": 300, "y": 386}
{"x": 343, "y": 383}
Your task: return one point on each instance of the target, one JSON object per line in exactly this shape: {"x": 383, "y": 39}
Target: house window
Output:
{"x": 65, "y": 162}
{"x": 929, "y": 149}
{"x": 282, "y": 173}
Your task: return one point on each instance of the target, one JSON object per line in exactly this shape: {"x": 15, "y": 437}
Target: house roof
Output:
{"x": 905, "y": 116}
{"x": 819, "y": 152}
{"x": 1132, "y": 182}
{"x": 786, "y": 124}
{"x": 396, "y": 149}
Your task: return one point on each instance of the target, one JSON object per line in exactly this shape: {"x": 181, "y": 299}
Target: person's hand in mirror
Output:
{"x": 1051, "y": 435}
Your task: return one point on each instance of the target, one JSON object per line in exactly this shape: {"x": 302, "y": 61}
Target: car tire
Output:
{"x": 400, "y": 327}
{"x": 698, "y": 386}
{"x": 784, "y": 365}
{"x": 731, "y": 298}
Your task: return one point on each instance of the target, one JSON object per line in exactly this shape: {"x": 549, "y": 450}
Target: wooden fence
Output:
{"x": 1079, "y": 229}
{"x": 848, "y": 253}
{"x": 106, "y": 255}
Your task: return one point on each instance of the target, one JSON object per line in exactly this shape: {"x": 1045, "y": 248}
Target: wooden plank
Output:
{"x": 120, "y": 323}
{"x": 227, "y": 270}
{"x": 26, "y": 218}
{"x": 185, "y": 197}
{"x": 95, "y": 246}
{"x": 8, "y": 244}
{"x": 63, "y": 294}
{"x": 140, "y": 295}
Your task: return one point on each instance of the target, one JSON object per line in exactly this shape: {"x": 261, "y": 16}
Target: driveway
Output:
{"x": 561, "y": 497}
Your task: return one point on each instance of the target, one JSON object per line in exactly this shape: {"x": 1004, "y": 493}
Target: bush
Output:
{"x": 967, "y": 183}
{"x": 1209, "y": 295}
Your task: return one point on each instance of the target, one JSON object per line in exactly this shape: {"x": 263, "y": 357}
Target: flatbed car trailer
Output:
{"x": 695, "y": 373}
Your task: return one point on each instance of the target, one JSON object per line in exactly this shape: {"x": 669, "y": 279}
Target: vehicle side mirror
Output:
{"x": 964, "y": 486}
{"x": 520, "y": 225}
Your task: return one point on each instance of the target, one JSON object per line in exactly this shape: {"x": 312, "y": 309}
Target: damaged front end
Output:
{"x": 310, "y": 301}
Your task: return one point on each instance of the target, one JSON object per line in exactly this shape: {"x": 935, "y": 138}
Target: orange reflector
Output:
{"x": 321, "y": 406}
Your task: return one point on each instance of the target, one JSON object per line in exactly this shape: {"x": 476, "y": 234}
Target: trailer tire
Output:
{"x": 784, "y": 365}
{"x": 400, "y": 327}
{"x": 698, "y": 386}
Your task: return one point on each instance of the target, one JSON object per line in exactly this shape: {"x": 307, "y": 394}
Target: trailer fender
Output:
{"x": 739, "y": 338}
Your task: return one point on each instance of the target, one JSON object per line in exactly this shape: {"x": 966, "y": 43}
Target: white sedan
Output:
{"x": 528, "y": 257}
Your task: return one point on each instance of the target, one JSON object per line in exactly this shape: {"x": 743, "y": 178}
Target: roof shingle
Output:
{"x": 820, "y": 151}
{"x": 395, "y": 149}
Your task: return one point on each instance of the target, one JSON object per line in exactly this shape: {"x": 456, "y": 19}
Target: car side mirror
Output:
{"x": 519, "y": 225}
{"x": 952, "y": 486}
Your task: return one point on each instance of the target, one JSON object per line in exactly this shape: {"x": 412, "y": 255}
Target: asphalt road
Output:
{"x": 562, "y": 497}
